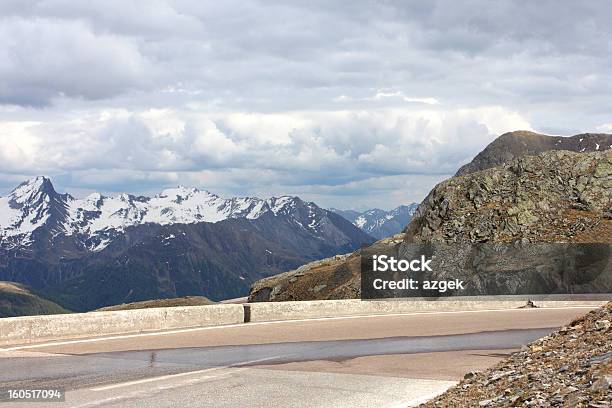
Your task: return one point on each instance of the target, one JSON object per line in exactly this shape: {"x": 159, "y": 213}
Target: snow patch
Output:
{"x": 360, "y": 221}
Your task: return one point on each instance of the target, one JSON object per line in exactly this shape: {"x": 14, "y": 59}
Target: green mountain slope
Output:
{"x": 19, "y": 300}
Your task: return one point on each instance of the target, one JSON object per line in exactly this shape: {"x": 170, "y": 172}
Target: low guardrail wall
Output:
{"x": 270, "y": 311}
{"x": 29, "y": 329}
{"x": 36, "y": 329}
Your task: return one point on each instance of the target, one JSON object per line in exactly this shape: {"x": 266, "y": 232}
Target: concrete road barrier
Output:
{"x": 33, "y": 329}
{"x": 270, "y": 311}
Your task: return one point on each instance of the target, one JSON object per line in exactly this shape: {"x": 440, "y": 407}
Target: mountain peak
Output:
{"x": 512, "y": 145}
{"x": 37, "y": 181}
{"x": 28, "y": 190}
{"x": 31, "y": 205}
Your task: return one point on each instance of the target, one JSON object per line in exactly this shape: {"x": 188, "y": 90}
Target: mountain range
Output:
{"x": 98, "y": 251}
{"x": 87, "y": 253}
{"x": 380, "y": 223}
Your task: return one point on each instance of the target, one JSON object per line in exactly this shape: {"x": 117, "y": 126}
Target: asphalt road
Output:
{"x": 396, "y": 360}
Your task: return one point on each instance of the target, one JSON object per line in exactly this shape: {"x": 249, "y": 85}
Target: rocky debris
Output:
{"x": 557, "y": 196}
{"x": 516, "y": 229}
{"x": 572, "y": 367}
{"x": 512, "y": 145}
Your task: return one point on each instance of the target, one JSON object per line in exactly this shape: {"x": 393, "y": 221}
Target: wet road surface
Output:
{"x": 370, "y": 371}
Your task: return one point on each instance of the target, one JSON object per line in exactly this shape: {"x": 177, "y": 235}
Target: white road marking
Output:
{"x": 172, "y": 376}
{"x": 143, "y": 394}
{"x": 160, "y": 378}
{"x": 188, "y": 330}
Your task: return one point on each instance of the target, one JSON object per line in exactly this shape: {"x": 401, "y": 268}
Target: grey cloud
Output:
{"x": 44, "y": 59}
{"x": 490, "y": 66}
{"x": 270, "y": 56}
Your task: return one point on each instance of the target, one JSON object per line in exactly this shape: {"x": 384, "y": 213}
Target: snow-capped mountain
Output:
{"x": 32, "y": 205}
{"x": 85, "y": 253}
{"x": 380, "y": 223}
{"x": 97, "y": 218}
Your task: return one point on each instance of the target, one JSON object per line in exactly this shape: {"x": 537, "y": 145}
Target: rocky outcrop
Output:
{"x": 572, "y": 367}
{"x": 535, "y": 226}
{"x": 512, "y": 145}
{"x": 557, "y": 196}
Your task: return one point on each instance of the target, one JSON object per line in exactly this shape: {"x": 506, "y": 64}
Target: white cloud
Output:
{"x": 295, "y": 149}
{"x": 385, "y": 95}
{"x": 17, "y": 146}
{"x": 380, "y": 94}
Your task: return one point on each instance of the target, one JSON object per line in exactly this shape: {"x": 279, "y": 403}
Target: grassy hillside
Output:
{"x": 182, "y": 301}
{"x": 18, "y": 300}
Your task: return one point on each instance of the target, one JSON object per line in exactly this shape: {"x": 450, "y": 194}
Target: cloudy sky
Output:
{"x": 352, "y": 104}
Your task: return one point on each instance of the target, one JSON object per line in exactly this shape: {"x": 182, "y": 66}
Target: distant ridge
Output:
{"x": 380, "y": 223}
{"x": 520, "y": 143}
